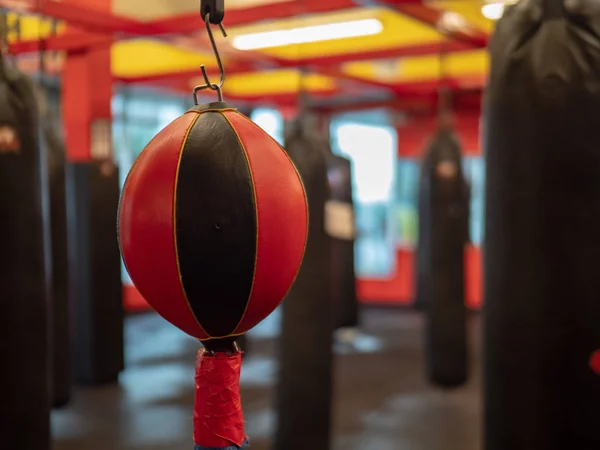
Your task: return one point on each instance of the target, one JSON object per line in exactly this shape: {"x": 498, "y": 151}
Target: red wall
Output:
{"x": 399, "y": 288}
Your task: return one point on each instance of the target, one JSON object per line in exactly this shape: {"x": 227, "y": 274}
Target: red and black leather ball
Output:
{"x": 213, "y": 222}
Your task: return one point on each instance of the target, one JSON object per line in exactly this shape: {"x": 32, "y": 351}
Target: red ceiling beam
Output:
{"x": 102, "y": 22}
{"x": 89, "y": 18}
{"x": 339, "y": 74}
{"x": 433, "y": 18}
{"x": 365, "y": 105}
{"x": 317, "y": 63}
{"x": 72, "y": 42}
{"x": 388, "y": 53}
{"x": 424, "y": 105}
{"x": 285, "y": 99}
{"x": 468, "y": 83}
{"x": 66, "y": 42}
{"x": 414, "y": 97}
{"x": 188, "y": 23}
{"x": 186, "y": 76}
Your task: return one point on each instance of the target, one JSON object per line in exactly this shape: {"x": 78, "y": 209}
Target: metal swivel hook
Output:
{"x": 207, "y": 83}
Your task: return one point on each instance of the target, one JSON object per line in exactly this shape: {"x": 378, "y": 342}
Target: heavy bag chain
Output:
{"x": 212, "y": 11}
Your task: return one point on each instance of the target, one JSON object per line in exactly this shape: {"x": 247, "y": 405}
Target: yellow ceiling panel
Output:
{"x": 421, "y": 68}
{"x": 274, "y": 83}
{"x": 469, "y": 9}
{"x": 31, "y": 27}
{"x": 140, "y": 57}
{"x": 398, "y": 31}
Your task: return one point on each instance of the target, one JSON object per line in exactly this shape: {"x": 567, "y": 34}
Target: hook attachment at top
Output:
{"x": 207, "y": 83}
{"x": 216, "y": 9}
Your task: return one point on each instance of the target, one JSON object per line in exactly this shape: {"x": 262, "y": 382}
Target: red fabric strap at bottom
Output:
{"x": 218, "y": 418}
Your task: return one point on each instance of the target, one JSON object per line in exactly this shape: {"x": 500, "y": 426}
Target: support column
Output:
{"x": 92, "y": 199}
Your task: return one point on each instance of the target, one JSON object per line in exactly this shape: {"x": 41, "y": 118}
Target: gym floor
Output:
{"x": 381, "y": 398}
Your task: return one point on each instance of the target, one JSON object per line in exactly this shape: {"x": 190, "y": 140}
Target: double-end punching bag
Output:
{"x": 542, "y": 222}
{"x": 219, "y": 249}
{"x": 444, "y": 217}
{"x": 304, "y": 390}
{"x": 340, "y": 226}
{"x": 24, "y": 280}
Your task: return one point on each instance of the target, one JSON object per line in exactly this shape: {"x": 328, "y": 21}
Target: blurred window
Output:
{"x": 269, "y": 120}
{"x": 474, "y": 168}
{"x": 372, "y": 150}
{"x": 406, "y": 205}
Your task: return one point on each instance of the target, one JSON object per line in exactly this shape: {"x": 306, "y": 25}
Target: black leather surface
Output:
{"x": 24, "y": 283}
{"x": 60, "y": 323}
{"x": 216, "y": 224}
{"x": 443, "y": 233}
{"x": 304, "y": 388}
{"x": 343, "y": 278}
{"x": 541, "y": 247}
{"x": 92, "y": 199}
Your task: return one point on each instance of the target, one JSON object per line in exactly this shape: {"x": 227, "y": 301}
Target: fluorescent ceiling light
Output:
{"x": 303, "y": 35}
{"x": 493, "y": 11}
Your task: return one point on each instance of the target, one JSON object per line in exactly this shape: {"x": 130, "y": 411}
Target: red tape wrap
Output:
{"x": 218, "y": 418}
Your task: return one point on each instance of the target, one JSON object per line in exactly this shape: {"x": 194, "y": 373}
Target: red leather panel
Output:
{"x": 146, "y": 226}
{"x": 282, "y": 218}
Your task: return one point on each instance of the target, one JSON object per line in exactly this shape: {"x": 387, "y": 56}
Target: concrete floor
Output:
{"x": 381, "y": 402}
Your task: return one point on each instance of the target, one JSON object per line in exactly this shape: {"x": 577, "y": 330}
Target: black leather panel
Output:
{"x": 215, "y": 224}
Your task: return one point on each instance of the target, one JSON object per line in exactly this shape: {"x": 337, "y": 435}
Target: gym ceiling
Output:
{"x": 386, "y": 53}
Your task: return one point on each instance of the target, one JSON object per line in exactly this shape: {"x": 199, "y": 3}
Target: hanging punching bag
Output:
{"x": 93, "y": 196}
{"x": 444, "y": 207}
{"x": 212, "y": 228}
{"x": 60, "y": 323}
{"x": 304, "y": 389}
{"x": 422, "y": 250}
{"x": 541, "y": 247}
{"x": 24, "y": 281}
{"x": 340, "y": 211}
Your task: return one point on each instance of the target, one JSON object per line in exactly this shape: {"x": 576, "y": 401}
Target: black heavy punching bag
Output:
{"x": 542, "y": 235}
{"x": 422, "y": 249}
{"x": 60, "y": 323}
{"x": 340, "y": 209}
{"x": 93, "y": 199}
{"x": 444, "y": 217}
{"x": 304, "y": 390}
{"x": 24, "y": 280}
